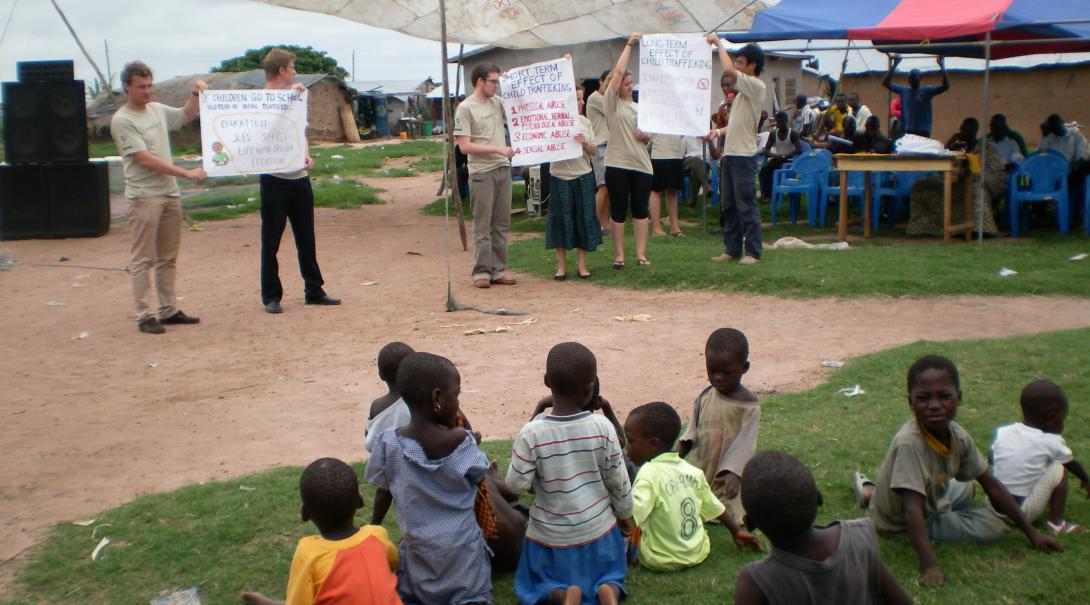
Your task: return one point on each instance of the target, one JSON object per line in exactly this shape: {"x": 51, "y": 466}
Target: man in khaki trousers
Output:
{"x": 478, "y": 129}
{"x": 140, "y": 130}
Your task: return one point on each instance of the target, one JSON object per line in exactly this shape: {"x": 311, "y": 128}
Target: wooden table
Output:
{"x": 867, "y": 163}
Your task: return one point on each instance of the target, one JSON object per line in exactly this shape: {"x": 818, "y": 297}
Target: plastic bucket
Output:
{"x": 428, "y": 126}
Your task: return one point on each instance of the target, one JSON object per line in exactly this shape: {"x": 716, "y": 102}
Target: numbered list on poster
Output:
{"x": 542, "y": 112}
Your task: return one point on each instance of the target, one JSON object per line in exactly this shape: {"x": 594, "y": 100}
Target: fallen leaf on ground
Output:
{"x": 497, "y": 330}
{"x": 529, "y": 321}
{"x": 637, "y": 317}
{"x": 98, "y": 549}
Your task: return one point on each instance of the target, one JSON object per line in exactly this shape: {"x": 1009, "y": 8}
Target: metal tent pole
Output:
{"x": 984, "y": 139}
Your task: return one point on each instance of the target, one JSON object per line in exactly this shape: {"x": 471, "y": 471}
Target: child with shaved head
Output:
{"x": 808, "y": 564}
{"x": 1032, "y": 459}
{"x": 344, "y": 563}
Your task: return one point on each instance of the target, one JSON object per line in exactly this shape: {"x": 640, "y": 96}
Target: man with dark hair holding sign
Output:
{"x": 284, "y": 197}
{"x": 478, "y": 128}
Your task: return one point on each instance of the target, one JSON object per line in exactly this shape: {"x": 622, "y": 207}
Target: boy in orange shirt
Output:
{"x": 344, "y": 564}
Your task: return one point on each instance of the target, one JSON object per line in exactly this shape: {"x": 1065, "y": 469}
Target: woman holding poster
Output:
{"x": 628, "y": 165}
{"x": 572, "y": 221}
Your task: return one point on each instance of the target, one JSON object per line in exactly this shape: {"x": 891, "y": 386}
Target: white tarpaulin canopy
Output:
{"x": 538, "y": 23}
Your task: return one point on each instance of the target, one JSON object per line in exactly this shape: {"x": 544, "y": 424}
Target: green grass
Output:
{"x": 370, "y": 161}
{"x": 240, "y": 534}
{"x": 888, "y": 265}
{"x": 218, "y": 205}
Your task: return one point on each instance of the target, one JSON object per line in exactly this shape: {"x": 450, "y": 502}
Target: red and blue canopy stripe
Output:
{"x": 929, "y": 21}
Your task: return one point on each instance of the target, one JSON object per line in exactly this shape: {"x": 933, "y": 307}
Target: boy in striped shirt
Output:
{"x": 574, "y": 552}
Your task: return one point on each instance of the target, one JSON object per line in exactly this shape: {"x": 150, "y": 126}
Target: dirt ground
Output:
{"x": 90, "y": 423}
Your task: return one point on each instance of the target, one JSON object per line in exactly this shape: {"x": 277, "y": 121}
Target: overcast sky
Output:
{"x": 182, "y": 37}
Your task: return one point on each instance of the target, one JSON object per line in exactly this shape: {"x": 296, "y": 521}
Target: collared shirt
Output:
{"x": 482, "y": 122}
{"x": 745, "y": 114}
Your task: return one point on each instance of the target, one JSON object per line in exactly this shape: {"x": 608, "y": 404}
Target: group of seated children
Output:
{"x": 591, "y": 516}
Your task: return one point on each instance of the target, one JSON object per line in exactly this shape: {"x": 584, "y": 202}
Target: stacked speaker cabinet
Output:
{"x": 47, "y": 187}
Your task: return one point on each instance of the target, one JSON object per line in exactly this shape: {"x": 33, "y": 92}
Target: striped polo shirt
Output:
{"x": 576, "y": 469}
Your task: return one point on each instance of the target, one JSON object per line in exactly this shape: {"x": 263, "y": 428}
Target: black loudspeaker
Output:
{"x": 54, "y": 200}
{"x": 45, "y": 122}
{"x": 37, "y": 71}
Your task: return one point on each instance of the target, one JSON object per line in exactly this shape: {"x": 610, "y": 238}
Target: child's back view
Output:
{"x": 1032, "y": 459}
{"x": 343, "y": 564}
{"x": 574, "y": 552}
{"x": 808, "y": 565}
{"x": 671, "y": 497}
{"x": 390, "y": 410}
{"x": 722, "y": 433}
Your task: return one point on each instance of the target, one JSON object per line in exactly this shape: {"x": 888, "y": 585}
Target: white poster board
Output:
{"x": 253, "y": 131}
{"x": 675, "y": 84}
{"x": 542, "y": 112}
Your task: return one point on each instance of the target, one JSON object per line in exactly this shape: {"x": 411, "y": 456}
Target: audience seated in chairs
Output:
{"x": 783, "y": 145}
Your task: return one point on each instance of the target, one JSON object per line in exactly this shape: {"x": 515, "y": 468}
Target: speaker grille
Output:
{"x": 45, "y": 122}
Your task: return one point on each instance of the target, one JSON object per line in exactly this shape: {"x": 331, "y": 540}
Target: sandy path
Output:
{"x": 87, "y": 424}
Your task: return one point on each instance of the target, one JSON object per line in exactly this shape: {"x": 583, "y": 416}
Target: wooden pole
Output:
{"x": 450, "y": 173}
{"x": 984, "y": 141}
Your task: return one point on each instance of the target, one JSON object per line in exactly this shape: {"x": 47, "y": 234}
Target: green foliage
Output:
{"x": 240, "y": 534}
{"x": 307, "y": 61}
{"x": 233, "y": 202}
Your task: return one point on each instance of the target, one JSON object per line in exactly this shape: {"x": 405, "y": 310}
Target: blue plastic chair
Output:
{"x": 802, "y": 177}
{"x": 1042, "y": 177}
{"x": 713, "y": 182}
{"x": 828, "y": 189}
{"x": 897, "y": 188}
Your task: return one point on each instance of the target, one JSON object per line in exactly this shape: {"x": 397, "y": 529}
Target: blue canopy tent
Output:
{"x": 988, "y": 29}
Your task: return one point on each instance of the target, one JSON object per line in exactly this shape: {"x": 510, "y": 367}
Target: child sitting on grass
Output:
{"x": 573, "y": 552}
{"x": 431, "y": 470}
{"x": 838, "y": 563}
{"x": 344, "y": 563}
{"x": 722, "y": 433}
{"x": 671, "y": 498}
{"x": 924, "y": 486}
{"x": 388, "y": 411}
{"x": 1030, "y": 457}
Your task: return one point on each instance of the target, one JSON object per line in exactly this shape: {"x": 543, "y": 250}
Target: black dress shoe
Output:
{"x": 325, "y": 299}
{"x": 273, "y": 306}
{"x": 150, "y": 326}
{"x": 180, "y": 318}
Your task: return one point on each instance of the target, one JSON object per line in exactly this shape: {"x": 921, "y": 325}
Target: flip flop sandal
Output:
{"x": 618, "y": 265}
{"x": 677, "y": 234}
{"x": 859, "y": 483}
{"x": 643, "y": 262}
{"x": 586, "y": 276}
{"x": 1064, "y": 528}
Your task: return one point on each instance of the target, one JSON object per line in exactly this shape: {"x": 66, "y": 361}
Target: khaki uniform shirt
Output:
{"x": 147, "y": 130}
{"x": 482, "y": 122}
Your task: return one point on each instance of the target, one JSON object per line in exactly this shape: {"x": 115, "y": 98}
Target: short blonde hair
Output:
{"x": 275, "y": 60}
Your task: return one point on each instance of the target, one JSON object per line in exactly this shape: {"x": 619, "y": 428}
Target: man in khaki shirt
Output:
{"x": 140, "y": 130}
{"x": 478, "y": 129}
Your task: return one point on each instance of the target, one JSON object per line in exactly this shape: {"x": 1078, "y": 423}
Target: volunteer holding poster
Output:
{"x": 628, "y": 165}
{"x": 284, "y": 197}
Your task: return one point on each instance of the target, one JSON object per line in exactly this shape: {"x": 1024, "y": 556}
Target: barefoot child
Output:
{"x": 344, "y": 563}
{"x": 388, "y": 411}
{"x": 722, "y": 433}
{"x": 573, "y": 552}
{"x": 431, "y": 471}
{"x": 808, "y": 564}
{"x": 671, "y": 498}
{"x": 1030, "y": 457}
{"x": 924, "y": 486}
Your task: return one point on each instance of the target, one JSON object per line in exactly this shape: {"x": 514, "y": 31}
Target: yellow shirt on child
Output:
{"x": 671, "y": 500}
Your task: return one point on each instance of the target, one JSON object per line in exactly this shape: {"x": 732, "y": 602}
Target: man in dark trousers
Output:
{"x": 916, "y": 99}
{"x": 284, "y": 197}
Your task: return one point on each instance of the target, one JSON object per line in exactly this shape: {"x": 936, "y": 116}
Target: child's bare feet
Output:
{"x": 572, "y": 595}
{"x": 254, "y": 598}
{"x": 608, "y": 594}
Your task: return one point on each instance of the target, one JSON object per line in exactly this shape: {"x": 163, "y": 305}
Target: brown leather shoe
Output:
{"x": 505, "y": 281}
{"x": 180, "y": 318}
{"x": 151, "y": 326}
{"x": 482, "y": 283}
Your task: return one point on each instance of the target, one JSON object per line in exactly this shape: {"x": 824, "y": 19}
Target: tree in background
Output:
{"x": 307, "y": 61}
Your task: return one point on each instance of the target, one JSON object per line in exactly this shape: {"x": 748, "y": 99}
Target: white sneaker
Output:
{"x": 723, "y": 258}
{"x": 749, "y": 260}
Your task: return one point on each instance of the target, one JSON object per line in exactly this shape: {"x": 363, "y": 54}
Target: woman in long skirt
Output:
{"x": 572, "y": 221}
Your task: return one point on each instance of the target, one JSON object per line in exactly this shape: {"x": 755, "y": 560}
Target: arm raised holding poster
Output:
{"x": 541, "y": 108}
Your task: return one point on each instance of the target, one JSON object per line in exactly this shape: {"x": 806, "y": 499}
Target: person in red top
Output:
{"x": 345, "y": 565}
